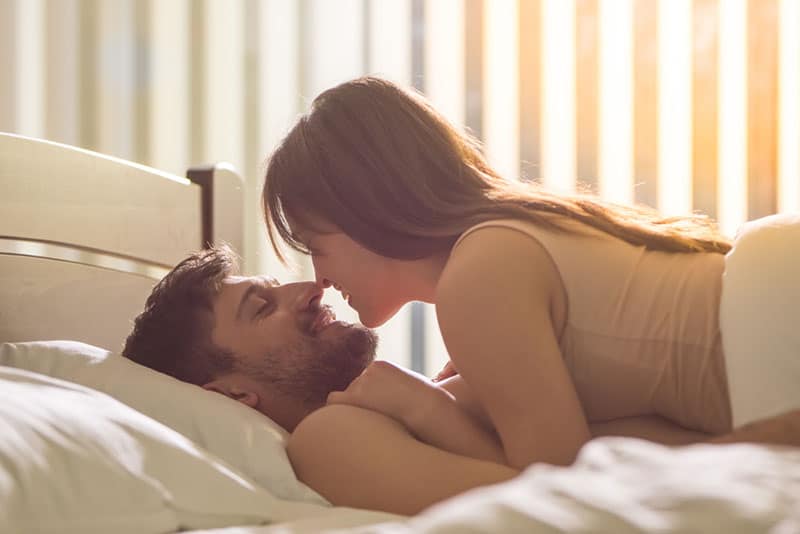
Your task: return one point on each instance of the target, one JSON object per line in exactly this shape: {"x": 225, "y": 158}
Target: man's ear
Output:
{"x": 236, "y": 391}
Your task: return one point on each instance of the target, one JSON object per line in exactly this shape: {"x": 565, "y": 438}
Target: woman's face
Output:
{"x": 365, "y": 279}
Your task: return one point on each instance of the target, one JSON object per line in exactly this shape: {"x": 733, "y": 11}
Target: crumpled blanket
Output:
{"x": 624, "y": 485}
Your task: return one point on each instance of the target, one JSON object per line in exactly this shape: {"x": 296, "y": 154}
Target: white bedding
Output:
{"x": 618, "y": 485}
{"x": 74, "y": 460}
{"x": 247, "y": 440}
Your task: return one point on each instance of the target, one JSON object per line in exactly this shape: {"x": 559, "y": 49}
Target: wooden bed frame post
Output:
{"x": 204, "y": 177}
{"x": 221, "y": 204}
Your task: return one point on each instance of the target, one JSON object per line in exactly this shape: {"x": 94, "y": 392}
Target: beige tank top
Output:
{"x": 642, "y": 332}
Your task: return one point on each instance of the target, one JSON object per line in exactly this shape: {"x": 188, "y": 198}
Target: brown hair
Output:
{"x": 380, "y": 163}
{"x": 173, "y": 333}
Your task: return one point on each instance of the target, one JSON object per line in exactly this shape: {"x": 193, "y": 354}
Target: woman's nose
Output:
{"x": 309, "y": 295}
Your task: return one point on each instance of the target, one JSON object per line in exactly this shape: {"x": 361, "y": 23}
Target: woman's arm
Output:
{"x": 451, "y": 428}
{"x": 429, "y": 412}
{"x": 783, "y": 429}
{"x": 493, "y": 304}
{"x": 361, "y": 458}
{"x": 650, "y": 427}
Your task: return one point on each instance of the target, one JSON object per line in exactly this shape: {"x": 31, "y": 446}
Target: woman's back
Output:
{"x": 640, "y": 333}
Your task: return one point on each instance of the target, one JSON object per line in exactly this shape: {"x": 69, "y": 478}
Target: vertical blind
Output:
{"x": 686, "y": 105}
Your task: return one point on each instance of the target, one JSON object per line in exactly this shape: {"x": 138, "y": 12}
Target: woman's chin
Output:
{"x": 371, "y": 320}
{"x": 367, "y": 321}
{"x": 373, "y": 316}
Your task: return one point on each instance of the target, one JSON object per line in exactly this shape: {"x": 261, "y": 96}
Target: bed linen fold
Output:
{"x": 619, "y": 485}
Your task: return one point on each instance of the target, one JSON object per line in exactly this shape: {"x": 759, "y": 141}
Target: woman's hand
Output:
{"x": 447, "y": 371}
{"x": 430, "y": 413}
{"x": 393, "y": 391}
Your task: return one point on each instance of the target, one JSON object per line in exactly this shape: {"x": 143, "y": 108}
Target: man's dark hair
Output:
{"x": 173, "y": 333}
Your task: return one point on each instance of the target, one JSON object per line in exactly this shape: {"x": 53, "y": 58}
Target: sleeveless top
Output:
{"x": 641, "y": 334}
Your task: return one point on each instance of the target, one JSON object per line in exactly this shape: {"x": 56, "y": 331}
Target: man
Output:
{"x": 364, "y": 434}
{"x": 276, "y": 349}
{"x": 272, "y": 347}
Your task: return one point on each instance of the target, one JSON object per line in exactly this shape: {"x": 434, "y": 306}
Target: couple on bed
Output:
{"x": 565, "y": 317}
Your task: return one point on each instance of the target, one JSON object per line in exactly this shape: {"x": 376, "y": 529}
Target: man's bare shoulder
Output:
{"x": 335, "y": 431}
{"x": 339, "y": 418}
{"x": 364, "y": 459}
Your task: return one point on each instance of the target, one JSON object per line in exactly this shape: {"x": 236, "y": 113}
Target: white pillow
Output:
{"x": 247, "y": 440}
{"x": 75, "y": 460}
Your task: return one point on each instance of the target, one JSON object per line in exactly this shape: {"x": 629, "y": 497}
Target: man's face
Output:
{"x": 283, "y": 338}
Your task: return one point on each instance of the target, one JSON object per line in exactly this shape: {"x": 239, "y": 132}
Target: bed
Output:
{"x": 91, "y": 442}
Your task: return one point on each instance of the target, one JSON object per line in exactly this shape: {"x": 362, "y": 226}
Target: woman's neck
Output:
{"x": 420, "y": 277}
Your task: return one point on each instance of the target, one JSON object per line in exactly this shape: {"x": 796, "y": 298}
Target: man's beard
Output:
{"x": 310, "y": 369}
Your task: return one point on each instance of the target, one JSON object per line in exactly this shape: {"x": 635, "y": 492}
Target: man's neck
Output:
{"x": 288, "y": 413}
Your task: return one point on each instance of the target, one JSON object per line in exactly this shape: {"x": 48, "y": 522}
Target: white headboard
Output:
{"x": 83, "y": 236}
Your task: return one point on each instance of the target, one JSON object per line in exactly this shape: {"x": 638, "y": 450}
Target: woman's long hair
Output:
{"x": 381, "y": 164}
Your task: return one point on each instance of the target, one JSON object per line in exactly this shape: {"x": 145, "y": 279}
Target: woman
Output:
{"x": 557, "y": 311}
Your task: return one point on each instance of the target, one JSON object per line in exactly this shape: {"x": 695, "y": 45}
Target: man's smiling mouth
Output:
{"x": 324, "y": 318}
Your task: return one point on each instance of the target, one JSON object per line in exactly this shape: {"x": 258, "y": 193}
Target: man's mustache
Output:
{"x": 322, "y": 314}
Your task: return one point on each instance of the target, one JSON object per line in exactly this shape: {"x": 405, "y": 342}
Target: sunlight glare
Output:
{"x": 675, "y": 106}
{"x": 444, "y": 57}
{"x": 732, "y": 133}
{"x": 558, "y": 95}
{"x": 501, "y": 87}
{"x": 789, "y": 107}
{"x": 615, "y": 73}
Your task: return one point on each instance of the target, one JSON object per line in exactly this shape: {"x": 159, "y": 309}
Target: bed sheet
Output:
{"x": 323, "y": 519}
{"x": 617, "y": 485}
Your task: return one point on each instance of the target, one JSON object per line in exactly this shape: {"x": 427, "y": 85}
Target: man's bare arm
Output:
{"x": 360, "y": 458}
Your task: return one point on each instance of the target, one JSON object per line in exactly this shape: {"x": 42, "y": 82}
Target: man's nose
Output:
{"x": 308, "y": 296}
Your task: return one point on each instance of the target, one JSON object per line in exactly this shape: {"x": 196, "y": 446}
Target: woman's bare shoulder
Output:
{"x": 491, "y": 257}
{"x": 500, "y": 232}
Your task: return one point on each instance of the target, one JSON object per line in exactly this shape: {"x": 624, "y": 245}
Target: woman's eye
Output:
{"x": 311, "y": 248}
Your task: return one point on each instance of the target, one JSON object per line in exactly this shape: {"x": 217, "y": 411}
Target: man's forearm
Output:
{"x": 782, "y": 429}
{"x": 449, "y": 427}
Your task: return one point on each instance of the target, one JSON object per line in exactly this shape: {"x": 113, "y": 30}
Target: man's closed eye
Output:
{"x": 264, "y": 309}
